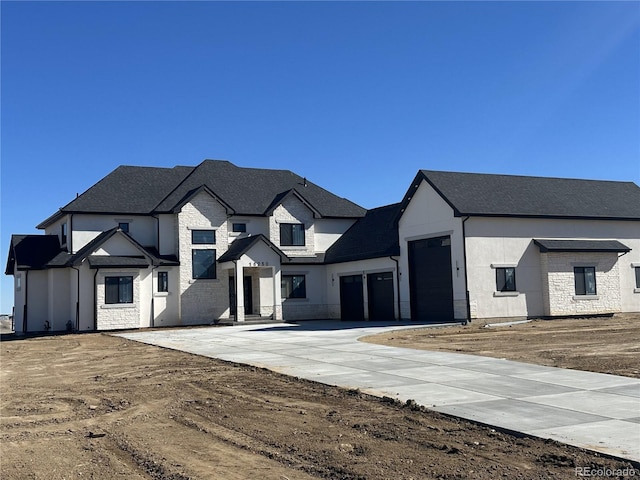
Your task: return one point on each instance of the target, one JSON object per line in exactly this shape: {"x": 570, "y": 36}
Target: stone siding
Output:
{"x": 559, "y": 284}
{"x": 292, "y": 210}
{"x": 206, "y": 300}
{"x": 117, "y": 316}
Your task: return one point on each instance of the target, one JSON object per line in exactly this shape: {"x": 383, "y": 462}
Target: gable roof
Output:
{"x": 240, "y": 246}
{"x": 373, "y": 236}
{"x": 475, "y": 194}
{"x": 31, "y": 252}
{"x": 244, "y": 191}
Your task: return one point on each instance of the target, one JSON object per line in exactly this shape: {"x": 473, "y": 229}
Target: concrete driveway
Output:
{"x": 589, "y": 410}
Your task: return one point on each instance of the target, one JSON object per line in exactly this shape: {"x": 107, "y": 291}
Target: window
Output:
{"x": 293, "y": 286}
{"x": 204, "y": 264}
{"x": 124, "y": 226}
{"x": 506, "y": 279}
{"x": 239, "y": 227}
{"x": 291, "y": 234}
{"x": 63, "y": 234}
{"x": 199, "y": 237}
{"x": 585, "y": 278}
{"x": 637, "y": 269}
{"x": 163, "y": 281}
{"x": 118, "y": 289}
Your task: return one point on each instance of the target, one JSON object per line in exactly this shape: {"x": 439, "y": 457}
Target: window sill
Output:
{"x": 506, "y": 294}
{"x": 162, "y": 294}
{"x": 118, "y": 305}
{"x": 586, "y": 297}
{"x": 636, "y": 290}
{"x": 203, "y": 280}
{"x": 301, "y": 248}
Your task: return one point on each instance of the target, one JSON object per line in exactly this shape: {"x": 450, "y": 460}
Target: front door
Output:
{"x": 351, "y": 298}
{"x": 248, "y": 296}
{"x": 430, "y": 280}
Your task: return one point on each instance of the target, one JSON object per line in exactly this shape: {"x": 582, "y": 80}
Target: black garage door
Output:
{"x": 351, "y": 298}
{"x": 380, "y": 291}
{"x": 430, "y": 279}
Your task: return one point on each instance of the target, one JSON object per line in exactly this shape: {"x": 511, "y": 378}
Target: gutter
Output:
{"x": 464, "y": 261}
{"x": 397, "y": 285}
{"x": 77, "y": 300}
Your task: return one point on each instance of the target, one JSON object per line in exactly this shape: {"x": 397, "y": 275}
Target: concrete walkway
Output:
{"x": 590, "y": 410}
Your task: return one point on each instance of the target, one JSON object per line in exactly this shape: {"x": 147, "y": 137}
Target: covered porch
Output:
{"x": 253, "y": 265}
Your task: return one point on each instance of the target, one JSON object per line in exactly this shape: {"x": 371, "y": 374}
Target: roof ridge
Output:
{"x": 514, "y": 175}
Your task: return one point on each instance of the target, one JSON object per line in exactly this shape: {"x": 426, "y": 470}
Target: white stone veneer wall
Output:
{"x": 122, "y": 315}
{"x": 292, "y": 210}
{"x": 559, "y": 284}
{"x": 204, "y": 300}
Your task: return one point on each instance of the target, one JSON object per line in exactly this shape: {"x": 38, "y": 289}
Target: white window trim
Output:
{"x": 586, "y": 297}
{"x": 506, "y": 294}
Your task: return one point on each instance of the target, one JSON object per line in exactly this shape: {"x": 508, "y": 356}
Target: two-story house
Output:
{"x": 199, "y": 245}
{"x": 179, "y": 246}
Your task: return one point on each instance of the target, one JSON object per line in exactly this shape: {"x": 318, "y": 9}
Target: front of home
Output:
{"x": 151, "y": 247}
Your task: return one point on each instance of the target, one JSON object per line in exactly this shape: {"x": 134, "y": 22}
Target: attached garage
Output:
{"x": 430, "y": 279}
{"x": 351, "y": 297}
{"x": 381, "y": 296}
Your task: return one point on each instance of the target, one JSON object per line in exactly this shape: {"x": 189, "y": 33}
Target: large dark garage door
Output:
{"x": 380, "y": 291}
{"x": 351, "y": 298}
{"x": 430, "y": 281}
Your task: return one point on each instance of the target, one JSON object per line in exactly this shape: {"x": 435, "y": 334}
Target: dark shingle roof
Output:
{"x": 580, "y": 245}
{"x": 373, "y": 236}
{"x": 248, "y": 191}
{"x": 511, "y": 195}
{"x": 240, "y": 246}
{"x": 31, "y": 252}
{"x": 112, "y": 261}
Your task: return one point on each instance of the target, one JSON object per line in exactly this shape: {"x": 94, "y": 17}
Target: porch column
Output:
{"x": 277, "y": 298}
{"x": 239, "y": 284}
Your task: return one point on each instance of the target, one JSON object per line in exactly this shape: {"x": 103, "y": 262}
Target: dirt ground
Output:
{"x": 93, "y": 406}
{"x": 598, "y": 344}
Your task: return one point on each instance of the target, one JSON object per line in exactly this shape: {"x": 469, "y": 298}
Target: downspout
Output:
{"x": 153, "y": 298}
{"x": 95, "y": 300}
{"x": 235, "y": 288}
{"x": 464, "y": 261}
{"x": 397, "y": 285}
{"x": 26, "y": 301}
{"x": 77, "y": 300}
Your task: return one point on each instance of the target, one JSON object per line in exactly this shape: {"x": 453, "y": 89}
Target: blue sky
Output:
{"x": 356, "y": 96}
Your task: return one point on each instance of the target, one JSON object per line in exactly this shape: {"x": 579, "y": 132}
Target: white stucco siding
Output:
{"x": 254, "y": 226}
{"x": 364, "y": 268}
{"x": 56, "y": 228}
{"x": 38, "y": 300}
{"x": 166, "y": 305}
{"x": 426, "y": 216}
{"x": 86, "y": 298}
{"x": 292, "y": 210}
{"x": 118, "y": 245}
{"x": 315, "y": 305}
{"x": 202, "y": 300}
{"x": 59, "y": 298}
{"x": 328, "y": 231}
{"x": 509, "y": 242}
{"x": 167, "y": 232}
{"x": 87, "y": 227}
{"x": 18, "y": 300}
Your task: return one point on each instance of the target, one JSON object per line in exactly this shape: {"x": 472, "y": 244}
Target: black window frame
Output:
{"x": 637, "y": 269}
{"x": 201, "y": 241}
{"x": 114, "y": 293}
{"x": 124, "y": 226}
{"x": 239, "y": 227}
{"x": 299, "y": 291}
{"x": 288, "y": 237}
{"x": 163, "y": 282}
{"x": 210, "y": 273}
{"x": 580, "y": 280}
{"x": 503, "y": 283}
